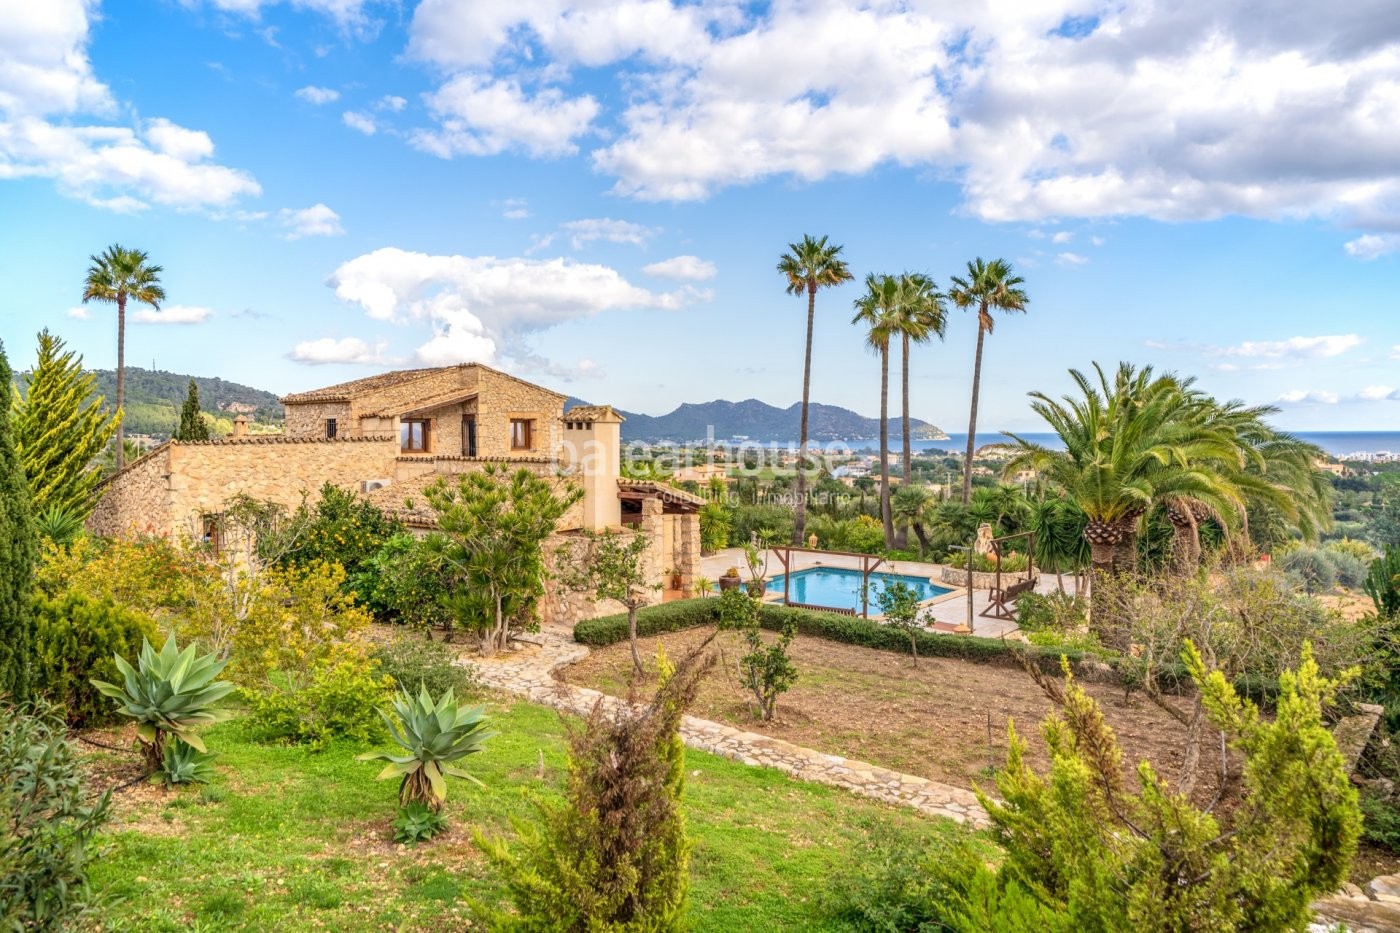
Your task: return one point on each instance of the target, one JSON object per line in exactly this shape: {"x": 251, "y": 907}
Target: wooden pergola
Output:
{"x": 868, "y": 565}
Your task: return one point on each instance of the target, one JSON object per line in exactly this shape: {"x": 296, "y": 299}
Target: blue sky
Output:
{"x": 594, "y": 195}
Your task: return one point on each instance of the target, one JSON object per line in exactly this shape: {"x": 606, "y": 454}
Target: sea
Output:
{"x": 1336, "y": 443}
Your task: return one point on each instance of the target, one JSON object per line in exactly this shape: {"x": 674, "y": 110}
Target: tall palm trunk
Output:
{"x": 799, "y": 524}
{"x": 1105, "y": 539}
{"x": 121, "y": 381}
{"x": 901, "y": 535}
{"x": 972, "y": 421}
{"x": 885, "y": 515}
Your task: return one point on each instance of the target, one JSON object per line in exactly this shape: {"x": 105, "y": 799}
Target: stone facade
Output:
{"x": 174, "y": 489}
{"x": 171, "y": 489}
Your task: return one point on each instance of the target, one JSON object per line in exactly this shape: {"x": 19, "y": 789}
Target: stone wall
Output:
{"x": 501, "y": 398}
{"x": 980, "y": 581}
{"x": 309, "y": 421}
{"x": 169, "y": 491}
{"x": 136, "y": 500}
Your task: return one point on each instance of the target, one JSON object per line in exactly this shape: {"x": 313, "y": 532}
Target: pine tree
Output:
{"x": 192, "y": 427}
{"x": 59, "y": 430}
{"x": 17, "y": 553}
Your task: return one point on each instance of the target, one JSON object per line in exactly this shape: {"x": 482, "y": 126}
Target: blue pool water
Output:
{"x": 839, "y": 588}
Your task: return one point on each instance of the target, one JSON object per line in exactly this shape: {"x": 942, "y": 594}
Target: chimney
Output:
{"x": 240, "y": 426}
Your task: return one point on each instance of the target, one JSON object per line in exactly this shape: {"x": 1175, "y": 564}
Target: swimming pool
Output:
{"x": 839, "y": 587}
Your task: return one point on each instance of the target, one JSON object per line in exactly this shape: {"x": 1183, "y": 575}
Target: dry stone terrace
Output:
{"x": 530, "y": 672}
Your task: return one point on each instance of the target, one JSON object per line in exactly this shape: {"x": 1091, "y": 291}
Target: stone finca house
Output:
{"x": 390, "y": 436}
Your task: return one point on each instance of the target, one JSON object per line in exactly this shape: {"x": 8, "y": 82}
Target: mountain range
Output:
{"x": 154, "y": 397}
{"x": 760, "y": 421}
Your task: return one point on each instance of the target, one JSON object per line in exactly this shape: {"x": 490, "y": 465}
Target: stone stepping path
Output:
{"x": 530, "y": 673}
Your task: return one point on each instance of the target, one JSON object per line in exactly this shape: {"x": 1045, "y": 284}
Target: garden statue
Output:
{"x": 985, "y": 545}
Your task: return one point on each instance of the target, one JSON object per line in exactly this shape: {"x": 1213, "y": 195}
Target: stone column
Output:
{"x": 688, "y": 553}
{"x": 653, "y": 527}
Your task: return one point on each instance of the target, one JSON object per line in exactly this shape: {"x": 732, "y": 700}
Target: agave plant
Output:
{"x": 418, "y": 822}
{"x": 433, "y": 735}
{"x": 169, "y": 693}
{"x": 59, "y": 524}
{"x": 186, "y": 765}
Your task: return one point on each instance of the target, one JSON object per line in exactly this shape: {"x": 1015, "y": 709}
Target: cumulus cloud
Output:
{"x": 1294, "y": 348}
{"x": 1373, "y": 245}
{"x": 318, "y": 95}
{"x": 316, "y": 220}
{"x": 583, "y": 232}
{"x": 362, "y": 122}
{"x": 481, "y": 307}
{"x": 391, "y": 102}
{"x": 347, "y": 13}
{"x": 1181, "y": 111}
{"x": 344, "y": 350}
{"x": 80, "y": 313}
{"x": 515, "y": 209}
{"x": 1071, "y": 259}
{"x": 172, "y": 314}
{"x": 682, "y": 269}
{"x": 1377, "y": 393}
{"x": 479, "y": 115}
{"x": 48, "y": 97}
{"x": 1064, "y": 236}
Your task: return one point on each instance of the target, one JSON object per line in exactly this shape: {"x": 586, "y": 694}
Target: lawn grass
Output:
{"x": 287, "y": 839}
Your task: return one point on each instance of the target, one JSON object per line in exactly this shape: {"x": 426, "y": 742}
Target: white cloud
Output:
{"x": 1064, "y": 236}
{"x": 316, "y": 220}
{"x": 172, "y": 314}
{"x": 1301, "y": 397}
{"x": 1373, "y": 245}
{"x": 347, "y": 13}
{"x": 47, "y": 93}
{"x": 682, "y": 268}
{"x": 79, "y": 313}
{"x": 344, "y": 350}
{"x": 583, "y": 232}
{"x": 1097, "y": 240}
{"x": 1071, "y": 259}
{"x": 1181, "y": 111}
{"x": 1294, "y": 348}
{"x": 362, "y": 122}
{"x": 318, "y": 95}
{"x": 1395, "y": 352}
{"x": 515, "y": 209}
{"x": 1377, "y": 393}
{"x": 391, "y": 102}
{"x": 478, "y": 115}
{"x": 479, "y": 307}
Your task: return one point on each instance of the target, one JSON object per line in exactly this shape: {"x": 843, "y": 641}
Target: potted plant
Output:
{"x": 730, "y": 580}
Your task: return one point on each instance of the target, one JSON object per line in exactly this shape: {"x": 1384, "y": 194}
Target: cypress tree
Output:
{"x": 192, "y": 424}
{"x": 59, "y": 430}
{"x": 17, "y": 554}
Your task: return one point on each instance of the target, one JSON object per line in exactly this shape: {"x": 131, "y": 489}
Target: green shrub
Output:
{"x": 1314, "y": 566}
{"x": 1380, "y": 821}
{"x": 49, "y": 823}
{"x": 852, "y": 630}
{"x": 404, "y": 583}
{"x": 342, "y": 528}
{"x": 338, "y": 700}
{"x": 1011, "y": 562}
{"x": 893, "y": 886}
{"x": 76, "y": 638}
{"x": 412, "y": 663}
{"x": 1056, "y": 611}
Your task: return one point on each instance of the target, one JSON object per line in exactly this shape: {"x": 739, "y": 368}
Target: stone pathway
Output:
{"x": 530, "y": 673}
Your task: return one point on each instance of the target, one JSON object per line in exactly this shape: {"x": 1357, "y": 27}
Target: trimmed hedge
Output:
{"x": 850, "y": 630}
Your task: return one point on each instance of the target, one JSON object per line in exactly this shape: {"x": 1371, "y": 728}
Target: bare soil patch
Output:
{"x": 944, "y": 720}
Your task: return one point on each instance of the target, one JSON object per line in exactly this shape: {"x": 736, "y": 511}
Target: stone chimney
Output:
{"x": 240, "y": 426}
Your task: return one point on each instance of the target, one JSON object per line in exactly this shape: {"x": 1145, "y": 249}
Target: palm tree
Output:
{"x": 921, "y": 315}
{"x": 877, "y": 309}
{"x": 808, "y": 266}
{"x": 989, "y": 286}
{"x": 914, "y": 506}
{"x": 119, "y": 274}
{"x": 1130, "y": 442}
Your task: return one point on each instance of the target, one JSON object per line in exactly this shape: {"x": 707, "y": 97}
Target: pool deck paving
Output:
{"x": 945, "y": 613}
{"x": 530, "y": 672}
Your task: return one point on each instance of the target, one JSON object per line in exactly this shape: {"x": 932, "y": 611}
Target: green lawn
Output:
{"x": 287, "y": 839}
